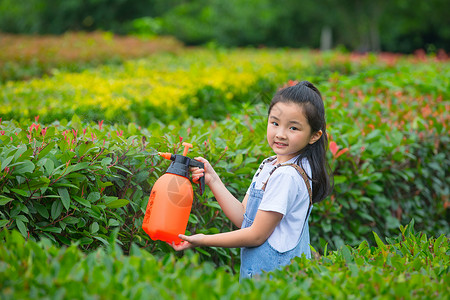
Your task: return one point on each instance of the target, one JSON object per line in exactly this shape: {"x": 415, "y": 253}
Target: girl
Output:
{"x": 273, "y": 217}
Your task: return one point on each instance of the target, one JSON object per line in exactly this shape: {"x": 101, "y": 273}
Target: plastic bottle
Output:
{"x": 170, "y": 200}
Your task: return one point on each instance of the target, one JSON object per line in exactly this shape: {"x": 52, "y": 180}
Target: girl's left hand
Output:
{"x": 189, "y": 242}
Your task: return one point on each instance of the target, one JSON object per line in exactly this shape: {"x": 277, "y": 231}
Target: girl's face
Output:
{"x": 288, "y": 130}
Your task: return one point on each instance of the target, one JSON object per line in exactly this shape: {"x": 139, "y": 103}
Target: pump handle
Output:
{"x": 186, "y": 148}
{"x": 192, "y": 163}
{"x": 196, "y": 163}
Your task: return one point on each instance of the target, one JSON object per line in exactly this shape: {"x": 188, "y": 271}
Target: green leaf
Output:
{"x": 204, "y": 252}
{"x": 84, "y": 148}
{"x": 22, "y": 228}
{"x": 365, "y": 199}
{"x": 49, "y": 147}
{"x": 379, "y": 241}
{"x": 4, "y": 200}
{"x": 49, "y": 166}
{"x": 123, "y": 169}
{"x": 60, "y": 184}
{"x": 3, "y": 223}
{"x": 76, "y": 122}
{"x": 339, "y": 179}
{"x": 77, "y": 167}
{"x": 93, "y": 196}
{"x": 20, "y": 192}
{"x": 25, "y": 166}
{"x": 85, "y": 240}
{"x": 22, "y": 217}
{"x": 65, "y": 198}
{"x": 106, "y": 161}
{"x": 20, "y": 150}
{"x": 56, "y": 210}
{"x": 82, "y": 201}
{"x": 52, "y": 229}
{"x": 51, "y": 131}
{"x": 238, "y": 160}
{"x": 42, "y": 210}
{"x": 102, "y": 184}
{"x": 244, "y": 170}
{"x": 117, "y": 203}
{"x": 104, "y": 241}
{"x": 374, "y": 188}
{"x": 391, "y": 222}
{"x": 437, "y": 243}
{"x": 347, "y": 254}
{"x": 94, "y": 228}
{"x": 6, "y": 162}
{"x": 113, "y": 222}
{"x": 353, "y": 269}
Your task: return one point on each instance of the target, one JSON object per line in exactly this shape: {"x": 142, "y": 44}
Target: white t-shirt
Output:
{"x": 285, "y": 193}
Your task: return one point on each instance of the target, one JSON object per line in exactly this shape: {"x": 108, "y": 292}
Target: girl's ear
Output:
{"x": 315, "y": 136}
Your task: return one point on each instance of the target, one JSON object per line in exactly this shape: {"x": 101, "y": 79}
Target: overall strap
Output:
{"x": 305, "y": 178}
{"x": 261, "y": 166}
{"x": 302, "y": 174}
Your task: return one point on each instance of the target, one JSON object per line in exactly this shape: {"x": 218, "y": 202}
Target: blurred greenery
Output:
{"x": 380, "y": 25}
{"x": 410, "y": 266}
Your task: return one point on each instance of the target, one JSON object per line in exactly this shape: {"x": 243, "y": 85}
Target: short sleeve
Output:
{"x": 281, "y": 190}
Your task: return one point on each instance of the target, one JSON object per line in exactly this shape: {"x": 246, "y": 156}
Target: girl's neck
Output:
{"x": 282, "y": 160}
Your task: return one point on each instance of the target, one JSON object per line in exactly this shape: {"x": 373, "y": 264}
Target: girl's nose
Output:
{"x": 280, "y": 134}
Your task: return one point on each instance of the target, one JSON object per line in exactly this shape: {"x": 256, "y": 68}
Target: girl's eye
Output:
{"x": 275, "y": 123}
{"x": 294, "y": 128}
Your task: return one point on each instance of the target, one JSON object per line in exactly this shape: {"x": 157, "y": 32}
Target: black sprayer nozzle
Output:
{"x": 181, "y": 163}
{"x": 180, "y": 166}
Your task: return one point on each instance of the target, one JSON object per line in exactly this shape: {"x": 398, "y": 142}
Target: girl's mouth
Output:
{"x": 280, "y": 145}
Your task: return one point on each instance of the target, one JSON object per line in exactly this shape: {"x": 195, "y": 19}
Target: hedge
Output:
{"x": 78, "y": 178}
{"x": 410, "y": 266}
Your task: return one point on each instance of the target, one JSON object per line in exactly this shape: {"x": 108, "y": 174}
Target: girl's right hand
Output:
{"x": 208, "y": 172}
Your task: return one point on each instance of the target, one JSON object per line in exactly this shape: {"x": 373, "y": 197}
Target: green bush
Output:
{"x": 411, "y": 266}
{"x": 73, "y": 181}
{"x": 82, "y": 191}
{"x": 78, "y": 180}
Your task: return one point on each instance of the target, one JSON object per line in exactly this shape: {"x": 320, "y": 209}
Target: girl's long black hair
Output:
{"x": 308, "y": 96}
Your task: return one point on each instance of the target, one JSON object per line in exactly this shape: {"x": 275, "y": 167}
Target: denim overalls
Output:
{"x": 254, "y": 260}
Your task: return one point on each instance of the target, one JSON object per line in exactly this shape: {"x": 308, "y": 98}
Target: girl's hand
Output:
{"x": 189, "y": 242}
{"x": 208, "y": 172}
{"x": 181, "y": 246}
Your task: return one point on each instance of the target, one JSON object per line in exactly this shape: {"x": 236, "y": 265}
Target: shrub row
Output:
{"x": 411, "y": 266}
{"x": 72, "y": 181}
{"x": 198, "y": 83}
{"x": 24, "y": 57}
{"x": 78, "y": 180}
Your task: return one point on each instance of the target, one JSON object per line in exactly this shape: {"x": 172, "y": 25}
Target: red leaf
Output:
{"x": 333, "y": 148}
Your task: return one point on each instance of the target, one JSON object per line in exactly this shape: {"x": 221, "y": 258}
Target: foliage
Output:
{"x": 24, "y": 57}
{"x": 79, "y": 179}
{"x": 396, "y": 26}
{"x": 162, "y": 87}
{"x": 396, "y": 137}
{"x": 72, "y": 181}
{"x": 412, "y": 266}
{"x": 199, "y": 83}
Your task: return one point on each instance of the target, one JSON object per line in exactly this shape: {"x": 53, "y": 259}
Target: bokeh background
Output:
{"x": 356, "y": 25}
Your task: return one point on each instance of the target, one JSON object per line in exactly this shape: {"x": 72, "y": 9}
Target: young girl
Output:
{"x": 273, "y": 217}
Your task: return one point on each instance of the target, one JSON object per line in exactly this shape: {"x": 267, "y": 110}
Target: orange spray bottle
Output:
{"x": 170, "y": 200}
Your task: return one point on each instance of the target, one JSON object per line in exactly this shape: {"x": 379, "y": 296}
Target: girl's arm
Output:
{"x": 232, "y": 207}
{"x": 255, "y": 235}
